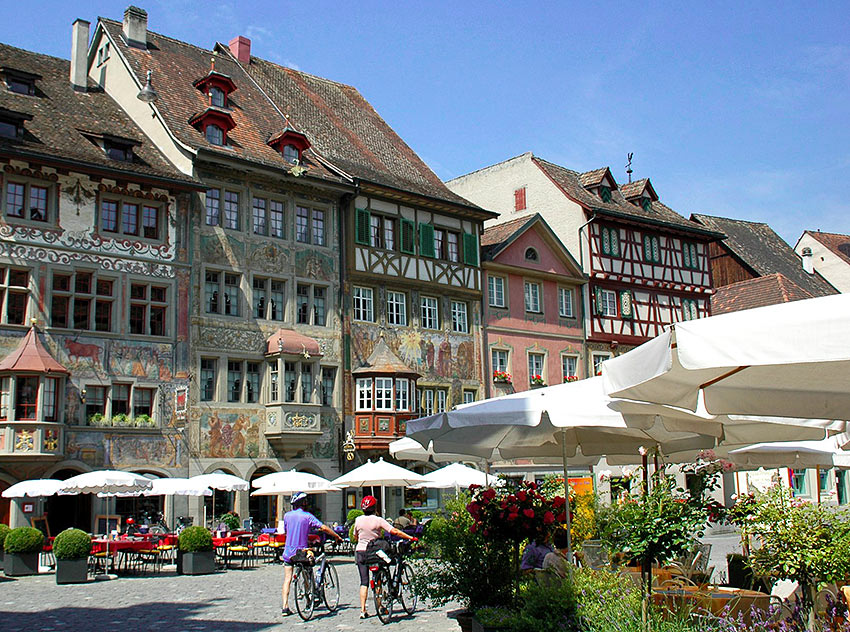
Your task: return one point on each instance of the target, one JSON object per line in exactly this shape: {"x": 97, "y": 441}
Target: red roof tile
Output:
{"x": 31, "y": 357}
{"x": 759, "y": 292}
{"x": 289, "y": 341}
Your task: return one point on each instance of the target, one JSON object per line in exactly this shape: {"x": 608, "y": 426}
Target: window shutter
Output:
{"x": 599, "y": 307}
{"x": 361, "y": 228}
{"x": 426, "y": 240}
{"x": 470, "y": 249}
{"x": 626, "y": 305}
{"x": 408, "y": 236}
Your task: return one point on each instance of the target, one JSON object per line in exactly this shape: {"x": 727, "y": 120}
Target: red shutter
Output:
{"x": 519, "y": 199}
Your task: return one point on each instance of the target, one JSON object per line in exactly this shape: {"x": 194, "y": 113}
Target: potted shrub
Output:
{"x": 120, "y": 419}
{"x": 230, "y": 520}
{"x": 142, "y": 421}
{"x": 71, "y": 549}
{"x": 4, "y": 531}
{"x": 22, "y": 546}
{"x": 195, "y": 555}
{"x": 96, "y": 419}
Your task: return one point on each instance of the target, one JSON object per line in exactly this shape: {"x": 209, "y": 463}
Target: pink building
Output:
{"x": 532, "y": 307}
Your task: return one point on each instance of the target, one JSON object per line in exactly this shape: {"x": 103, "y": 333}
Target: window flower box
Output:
{"x": 571, "y": 378}
{"x": 501, "y": 377}
{"x": 537, "y": 380}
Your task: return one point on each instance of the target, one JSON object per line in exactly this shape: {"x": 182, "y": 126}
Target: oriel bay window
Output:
{"x": 299, "y": 381}
{"x": 384, "y": 394}
{"x": 82, "y": 300}
{"x": 328, "y": 382}
{"x": 27, "y": 406}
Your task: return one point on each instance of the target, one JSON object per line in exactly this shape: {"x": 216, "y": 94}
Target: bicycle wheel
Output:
{"x": 405, "y": 591}
{"x": 330, "y": 588}
{"x": 382, "y": 592}
{"x": 304, "y": 602}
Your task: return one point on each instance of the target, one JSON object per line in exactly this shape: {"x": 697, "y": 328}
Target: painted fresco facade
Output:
{"x": 414, "y": 281}
{"x": 533, "y": 318}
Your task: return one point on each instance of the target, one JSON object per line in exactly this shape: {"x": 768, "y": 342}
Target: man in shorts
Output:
{"x": 297, "y": 524}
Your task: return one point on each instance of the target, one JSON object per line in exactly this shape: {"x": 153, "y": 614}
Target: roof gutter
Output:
{"x": 654, "y": 222}
{"x": 483, "y": 213}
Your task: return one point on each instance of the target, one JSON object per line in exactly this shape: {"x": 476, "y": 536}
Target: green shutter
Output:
{"x": 408, "y": 236}
{"x": 627, "y": 309}
{"x": 598, "y": 292}
{"x": 361, "y": 228}
{"x": 470, "y": 249}
{"x": 426, "y": 240}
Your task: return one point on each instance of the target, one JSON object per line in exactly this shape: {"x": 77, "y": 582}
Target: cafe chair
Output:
{"x": 100, "y": 563}
{"x": 239, "y": 553}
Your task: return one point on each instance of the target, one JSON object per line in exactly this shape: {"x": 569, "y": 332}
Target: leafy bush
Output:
{"x": 96, "y": 419}
{"x": 231, "y": 520}
{"x": 72, "y": 544}
{"x": 142, "y": 421}
{"x": 194, "y": 539}
{"x": 547, "y": 607}
{"x": 496, "y": 617}
{"x": 4, "y": 531}
{"x": 468, "y": 566}
{"x": 121, "y": 419}
{"x": 353, "y": 514}
{"x": 24, "y": 540}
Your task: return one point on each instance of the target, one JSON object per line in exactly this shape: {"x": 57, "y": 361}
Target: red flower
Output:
{"x": 473, "y": 528}
{"x": 561, "y": 517}
{"x": 511, "y": 498}
{"x": 558, "y": 502}
{"x": 521, "y": 496}
{"x": 532, "y": 485}
{"x": 488, "y": 494}
{"x": 474, "y": 487}
{"x": 529, "y": 513}
{"x": 512, "y": 517}
{"x": 503, "y": 504}
{"x": 548, "y": 518}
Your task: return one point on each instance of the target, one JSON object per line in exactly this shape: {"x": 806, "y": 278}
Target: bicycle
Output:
{"x": 315, "y": 580}
{"x": 389, "y": 585}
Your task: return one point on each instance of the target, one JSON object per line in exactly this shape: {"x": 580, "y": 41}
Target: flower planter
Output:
{"x": 196, "y": 563}
{"x": 477, "y": 626}
{"x": 20, "y": 564}
{"x": 464, "y": 619}
{"x": 72, "y": 571}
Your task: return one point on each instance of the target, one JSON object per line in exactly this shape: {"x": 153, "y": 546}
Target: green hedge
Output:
{"x": 353, "y": 514}
{"x": 72, "y": 544}
{"x": 194, "y": 539}
{"x": 24, "y": 540}
{"x": 4, "y": 531}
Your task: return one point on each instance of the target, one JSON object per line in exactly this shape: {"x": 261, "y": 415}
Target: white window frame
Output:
{"x": 363, "y": 304}
{"x": 496, "y": 291}
{"x": 364, "y": 394}
{"x": 469, "y": 395}
{"x": 532, "y": 298}
{"x": 384, "y": 393}
{"x": 533, "y": 368}
{"x": 402, "y": 394}
{"x": 609, "y": 303}
{"x": 565, "y": 302}
{"x": 427, "y": 399}
{"x": 597, "y": 359}
{"x": 441, "y": 397}
{"x": 495, "y": 360}
{"x": 567, "y": 359}
{"x": 396, "y": 308}
{"x": 460, "y": 319}
{"x": 429, "y": 312}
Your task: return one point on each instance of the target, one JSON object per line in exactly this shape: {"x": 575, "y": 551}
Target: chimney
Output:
{"x": 808, "y": 265}
{"x": 79, "y": 55}
{"x": 241, "y": 49}
{"x": 136, "y": 27}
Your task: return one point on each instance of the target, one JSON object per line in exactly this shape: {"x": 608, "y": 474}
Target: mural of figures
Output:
{"x": 466, "y": 360}
{"x": 143, "y": 360}
{"x": 88, "y": 447}
{"x": 131, "y": 451}
{"x": 230, "y": 435}
{"x": 314, "y": 265}
{"x": 444, "y": 359}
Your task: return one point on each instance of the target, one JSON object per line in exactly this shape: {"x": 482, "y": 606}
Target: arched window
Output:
{"x": 215, "y": 134}
{"x": 531, "y": 255}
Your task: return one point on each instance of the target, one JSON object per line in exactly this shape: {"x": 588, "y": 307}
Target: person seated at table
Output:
{"x": 132, "y": 529}
{"x": 557, "y": 561}
{"x": 404, "y": 520}
{"x": 535, "y": 552}
{"x": 297, "y": 524}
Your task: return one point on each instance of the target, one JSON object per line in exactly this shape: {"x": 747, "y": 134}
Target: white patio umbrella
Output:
{"x": 177, "y": 487}
{"x": 791, "y": 359}
{"x": 33, "y": 488}
{"x": 107, "y": 482}
{"x": 223, "y": 481}
{"x": 456, "y": 476}
{"x": 290, "y": 482}
{"x": 407, "y": 449}
{"x": 378, "y": 473}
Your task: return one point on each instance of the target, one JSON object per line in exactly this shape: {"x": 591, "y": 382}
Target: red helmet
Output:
{"x": 130, "y": 521}
{"x": 368, "y": 501}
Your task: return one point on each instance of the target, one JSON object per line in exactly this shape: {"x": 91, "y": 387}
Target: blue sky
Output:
{"x": 733, "y": 109}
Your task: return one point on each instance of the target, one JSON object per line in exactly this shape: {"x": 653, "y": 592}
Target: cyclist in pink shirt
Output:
{"x": 366, "y": 529}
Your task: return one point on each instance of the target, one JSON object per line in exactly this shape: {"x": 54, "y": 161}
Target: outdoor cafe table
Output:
{"x": 713, "y": 599}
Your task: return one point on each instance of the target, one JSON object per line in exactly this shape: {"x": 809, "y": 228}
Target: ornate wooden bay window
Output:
{"x": 385, "y": 399}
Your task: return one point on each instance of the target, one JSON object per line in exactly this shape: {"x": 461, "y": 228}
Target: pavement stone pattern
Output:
{"x": 238, "y": 599}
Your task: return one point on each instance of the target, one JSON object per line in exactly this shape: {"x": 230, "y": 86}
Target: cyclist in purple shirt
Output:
{"x": 297, "y": 524}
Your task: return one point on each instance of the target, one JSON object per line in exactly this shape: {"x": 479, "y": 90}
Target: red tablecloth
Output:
{"x": 116, "y": 546}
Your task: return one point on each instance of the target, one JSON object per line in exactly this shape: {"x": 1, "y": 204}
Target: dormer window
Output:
{"x": 214, "y": 134}
{"x": 605, "y": 193}
{"x": 646, "y": 204}
{"x": 118, "y": 152}
{"x": 290, "y": 144}
{"x": 115, "y": 147}
{"x": 18, "y": 81}
{"x": 291, "y": 154}
{"x": 214, "y": 124}
{"x": 9, "y": 129}
{"x": 217, "y": 97}
{"x": 12, "y": 123}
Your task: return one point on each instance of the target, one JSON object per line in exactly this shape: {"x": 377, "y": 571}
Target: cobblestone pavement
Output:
{"x": 235, "y": 600}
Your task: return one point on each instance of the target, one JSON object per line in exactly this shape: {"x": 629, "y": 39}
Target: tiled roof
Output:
{"x": 346, "y": 129}
{"x": 635, "y": 189}
{"x": 759, "y": 292}
{"x": 500, "y": 233}
{"x": 765, "y": 252}
{"x": 592, "y": 178}
{"x": 292, "y": 342}
{"x": 836, "y": 242}
{"x": 59, "y": 113}
{"x": 176, "y": 66}
{"x": 571, "y": 184}
{"x": 31, "y": 356}
{"x": 383, "y": 360}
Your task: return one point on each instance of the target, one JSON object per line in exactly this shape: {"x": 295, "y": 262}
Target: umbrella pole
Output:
{"x": 817, "y": 476}
{"x": 567, "y": 496}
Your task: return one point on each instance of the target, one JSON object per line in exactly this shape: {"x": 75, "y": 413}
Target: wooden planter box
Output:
{"x": 72, "y": 571}
{"x": 20, "y": 564}
{"x": 463, "y": 617}
{"x": 197, "y": 563}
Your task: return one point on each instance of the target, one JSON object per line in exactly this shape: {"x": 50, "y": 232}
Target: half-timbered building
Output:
{"x": 647, "y": 265}
{"x": 94, "y": 287}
